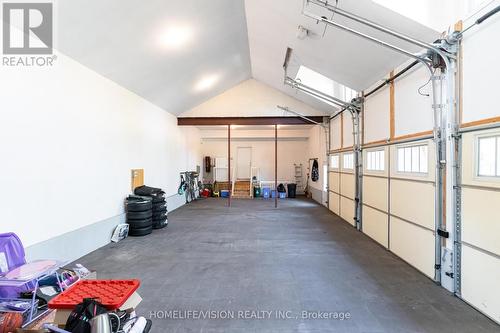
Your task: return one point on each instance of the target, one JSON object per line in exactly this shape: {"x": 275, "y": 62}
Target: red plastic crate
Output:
{"x": 111, "y": 293}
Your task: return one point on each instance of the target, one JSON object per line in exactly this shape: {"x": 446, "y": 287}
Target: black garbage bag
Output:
{"x": 148, "y": 191}
{"x": 281, "y": 188}
{"x": 79, "y": 319}
{"x": 315, "y": 171}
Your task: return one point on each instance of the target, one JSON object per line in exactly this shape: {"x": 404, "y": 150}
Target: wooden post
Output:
{"x": 276, "y": 165}
{"x": 229, "y": 164}
{"x": 392, "y": 110}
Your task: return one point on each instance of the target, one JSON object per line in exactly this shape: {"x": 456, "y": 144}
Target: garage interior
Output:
{"x": 250, "y": 166}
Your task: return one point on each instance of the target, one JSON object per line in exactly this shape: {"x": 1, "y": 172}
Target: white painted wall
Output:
{"x": 69, "y": 139}
{"x": 292, "y": 148}
{"x": 289, "y": 152}
{"x": 250, "y": 98}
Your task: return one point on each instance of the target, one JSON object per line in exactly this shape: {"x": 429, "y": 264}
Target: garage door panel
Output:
{"x": 377, "y": 116}
{"x": 480, "y": 219}
{"x": 334, "y": 203}
{"x": 480, "y": 281}
{"x": 413, "y": 244}
{"x": 334, "y": 181}
{"x": 347, "y": 185}
{"x": 413, "y": 201}
{"x": 375, "y": 225}
{"x": 347, "y": 210}
{"x": 375, "y": 192}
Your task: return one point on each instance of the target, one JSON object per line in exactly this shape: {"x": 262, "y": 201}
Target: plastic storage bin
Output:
{"x": 111, "y": 293}
{"x": 224, "y": 193}
{"x": 266, "y": 192}
{"x": 282, "y": 195}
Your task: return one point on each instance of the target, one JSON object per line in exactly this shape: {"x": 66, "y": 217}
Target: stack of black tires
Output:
{"x": 139, "y": 215}
{"x": 159, "y": 205}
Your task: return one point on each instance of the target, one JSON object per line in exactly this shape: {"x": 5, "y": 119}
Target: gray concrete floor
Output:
{"x": 300, "y": 257}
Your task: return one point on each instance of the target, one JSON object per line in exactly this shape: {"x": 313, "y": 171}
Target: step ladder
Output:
{"x": 299, "y": 177}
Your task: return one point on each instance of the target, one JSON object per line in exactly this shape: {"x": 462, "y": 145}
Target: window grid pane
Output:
{"x": 487, "y": 158}
{"x": 401, "y": 159}
{"x": 348, "y": 161}
{"x": 413, "y": 159}
{"x": 375, "y": 160}
{"x": 407, "y": 167}
{"x": 334, "y": 161}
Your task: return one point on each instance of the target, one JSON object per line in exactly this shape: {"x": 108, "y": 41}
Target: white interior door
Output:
{"x": 243, "y": 162}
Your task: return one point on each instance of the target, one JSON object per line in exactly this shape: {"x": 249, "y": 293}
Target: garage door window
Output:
{"x": 375, "y": 160}
{"x": 413, "y": 159}
{"x": 334, "y": 161}
{"x": 348, "y": 162}
{"x": 489, "y": 156}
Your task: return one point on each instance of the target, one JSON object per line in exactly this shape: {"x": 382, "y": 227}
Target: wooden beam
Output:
{"x": 411, "y": 136}
{"x": 216, "y": 121}
{"x": 480, "y": 122}
{"x": 341, "y": 150}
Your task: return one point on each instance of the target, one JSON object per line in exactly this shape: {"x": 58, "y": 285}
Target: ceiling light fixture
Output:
{"x": 206, "y": 82}
{"x": 176, "y": 36}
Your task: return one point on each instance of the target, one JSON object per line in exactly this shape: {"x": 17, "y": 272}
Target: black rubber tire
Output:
{"x": 140, "y": 232}
{"x": 139, "y": 206}
{"x": 160, "y": 210}
{"x": 139, "y": 215}
{"x": 159, "y": 216}
{"x": 160, "y": 223}
{"x": 159, "y": 226}
{"x": 138, "y": 224}
{"x": 159, "y": 204}
{"x": 158, "y": 199}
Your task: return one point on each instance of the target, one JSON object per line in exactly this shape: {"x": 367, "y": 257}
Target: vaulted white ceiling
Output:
{"x": 230, "y": 41}
{"x": 121, "y": 39}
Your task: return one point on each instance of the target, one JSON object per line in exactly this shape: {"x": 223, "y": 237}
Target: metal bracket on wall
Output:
{"x": 457, "y": 242}
{"x": 443, "y": 233}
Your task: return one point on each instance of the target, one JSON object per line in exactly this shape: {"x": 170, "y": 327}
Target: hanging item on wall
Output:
{"x": 315, "y": 171}
{"x": 208, "y": 163}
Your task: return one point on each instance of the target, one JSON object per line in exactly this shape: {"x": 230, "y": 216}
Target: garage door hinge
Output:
{"x": 443, "y": 233}
{"x": 437, "y": 266}
{"x": 450, "y": 274}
